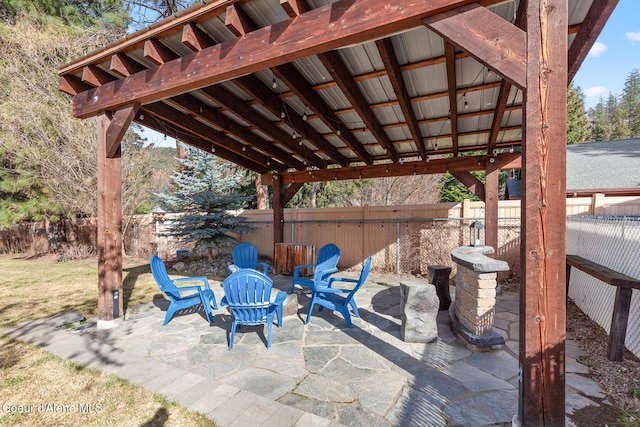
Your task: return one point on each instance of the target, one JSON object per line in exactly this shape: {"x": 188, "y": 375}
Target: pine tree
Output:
{"x": 576, "y": 116}
{"x": 598, "y": 120}
{"x": 207, "y": 190}
{"x": 630, "y": 103}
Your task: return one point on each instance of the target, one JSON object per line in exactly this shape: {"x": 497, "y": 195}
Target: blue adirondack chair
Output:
{"x": 245, "y": 255}
{"x": 339, "y": 299}
{"x": 328, "y": 257}
{"x": 247, "y": 293}
{"x": 182, "y": 297}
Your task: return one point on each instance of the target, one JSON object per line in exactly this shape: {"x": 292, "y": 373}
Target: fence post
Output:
{"x": 466, "y": 209}
{"x": 366, "y": 232}
{"x": 597, "y": 204}
{"x": 397, "y": 247}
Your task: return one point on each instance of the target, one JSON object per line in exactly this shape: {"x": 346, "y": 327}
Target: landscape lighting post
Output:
{"x": 157, "y": 213}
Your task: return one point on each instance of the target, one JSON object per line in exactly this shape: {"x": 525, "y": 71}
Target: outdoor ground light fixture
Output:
{"x": 476, "y": 234}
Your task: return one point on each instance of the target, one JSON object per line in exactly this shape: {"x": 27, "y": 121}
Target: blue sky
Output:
{"x": 614, "y": 55}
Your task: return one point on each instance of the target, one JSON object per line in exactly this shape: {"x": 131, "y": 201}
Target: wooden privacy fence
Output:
{"x": 404, "y": 238}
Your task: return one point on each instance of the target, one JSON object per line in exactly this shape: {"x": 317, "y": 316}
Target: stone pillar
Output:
{"x": 473, "y": 313}
{"x": 475, "y": 299}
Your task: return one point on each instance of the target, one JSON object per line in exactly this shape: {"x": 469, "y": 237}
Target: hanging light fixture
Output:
{"x": 466, "y": 104}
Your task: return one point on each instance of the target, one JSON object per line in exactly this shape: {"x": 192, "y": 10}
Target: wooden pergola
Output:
{"x": 319, "y": 90}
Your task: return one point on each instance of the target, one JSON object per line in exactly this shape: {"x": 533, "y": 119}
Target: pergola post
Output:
{"x": 491, "y": 205}
{"x": 111, "y": 127}
{"x": 278, "y": 210}
{"x": 109, "y": 225}
{"x": 542, "y": 292}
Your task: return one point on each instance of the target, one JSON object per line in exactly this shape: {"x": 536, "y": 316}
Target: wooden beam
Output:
{"x": 278, "y": 210}
{"x": 195, "y": 38}
{"x": 505, "y": 91}
{"x": 124, "y": 65}
{"x": 590, "y": 29}
{"x": 493, "y": 41}
{"x": 156, "y": 52}
{"x": 543, "y": 296}
{"x": 336, "y": 24}
{"x": 490, "y": 199}
{"x": 237, "y": 21}
{"x": 212, "y": 116}
{"x": 96, "y": 76}
{"x": 233, "y": 104}
{"x": 298, "y": 85}
{"x": 188, "y": 125}
{"x": 72, "y": 85}
{"x": 160, "y": 126}
{"x": 118, "y": 126}
{"x": 109, "y": 227}
{"x": 450, "y": 54}
{"x": 294, "y": 8}
{"x": 340, "y": 73}
{"x": 470, "y": 181}
{"x": 271, "y": 102}
{"x": 381, "y": 170}
{"x": 291, "y": 191}
{"x": 253, "y": 85}
{"x": 388, "y": 55}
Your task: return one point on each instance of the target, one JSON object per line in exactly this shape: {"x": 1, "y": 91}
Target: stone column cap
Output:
{"x": 474, "y": 258}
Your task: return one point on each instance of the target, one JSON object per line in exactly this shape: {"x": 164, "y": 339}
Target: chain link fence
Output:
{"x": 402, "y": 245}
{"x": 612, "y": 241}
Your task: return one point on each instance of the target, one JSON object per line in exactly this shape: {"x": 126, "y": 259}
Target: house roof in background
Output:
{"x": 604, "y": 165}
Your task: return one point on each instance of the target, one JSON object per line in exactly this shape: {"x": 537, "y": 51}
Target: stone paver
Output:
{"x": 322, "y": 374}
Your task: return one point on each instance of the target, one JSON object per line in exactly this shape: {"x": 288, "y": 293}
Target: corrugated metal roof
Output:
{"x": 419, "y": 52}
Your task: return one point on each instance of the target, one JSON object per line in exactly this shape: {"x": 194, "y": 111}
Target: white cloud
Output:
{"x": 634, "y": 37}
{"x": 596, "y": 92}
{"x": 598, "y": 49}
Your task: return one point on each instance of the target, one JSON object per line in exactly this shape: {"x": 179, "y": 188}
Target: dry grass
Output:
{"x": 30, "y": 377}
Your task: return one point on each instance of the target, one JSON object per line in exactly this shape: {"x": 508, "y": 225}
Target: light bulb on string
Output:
{"x": 338, "y": 132}
{"x": 466, "y": 104}
{"x": 283, "y": 114}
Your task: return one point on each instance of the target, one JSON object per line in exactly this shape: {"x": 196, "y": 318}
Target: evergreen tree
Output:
{"x": 452, "y": 190}
{"x": 598, "y": 120}
{"x": 616, "y": 126}
{"x": 576, "y": 116}
{"x": 207, "y": 189}
{"x": 630, "y": 103}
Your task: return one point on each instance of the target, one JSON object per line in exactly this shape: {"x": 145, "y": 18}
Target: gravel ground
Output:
{"x": 620, "y": 380}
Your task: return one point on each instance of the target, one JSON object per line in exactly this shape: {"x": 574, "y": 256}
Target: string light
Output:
{"x": 511, "y": 150}
{"x": 304, "y": 114}
{"x": 283, "y": 114}
{"x": 338, "y": 132}
{"x": 141, "y": 116}
{"x": 274, "y": 83}
{"x": 466, "y": 104}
